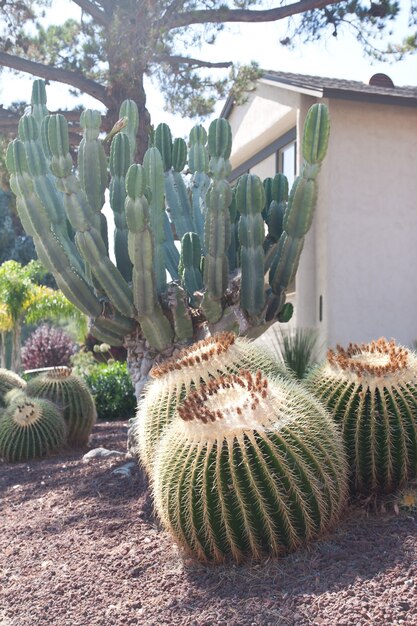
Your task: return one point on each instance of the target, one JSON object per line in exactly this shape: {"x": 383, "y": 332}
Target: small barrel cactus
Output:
{"x": 30, "y": 428}
{"x": 172, "y": 380}
{"x": 9, "y": 380}
{"x": 72, "y": 396}
{"x": 371, "y": 390}
{"x": 249, "y": 468}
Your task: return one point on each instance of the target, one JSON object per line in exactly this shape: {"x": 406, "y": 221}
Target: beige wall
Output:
{"x": 268, "y": 114}
{"x": 369, "y": 218}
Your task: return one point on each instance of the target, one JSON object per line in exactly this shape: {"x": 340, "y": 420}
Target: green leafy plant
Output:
{"x": 297, "y": 348}
{"x": 71, "y": 394}
{"x": 218, "y": 282}
{"x": 22, "y": 300}
{"x": 30, "y": 428}
{"x": 249, "y": 468}
{"x": 371, "y": 391}
{"x": 112, "y": 390}
{"x": 173, "y": 380}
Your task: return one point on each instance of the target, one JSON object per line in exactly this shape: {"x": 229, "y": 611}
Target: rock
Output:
{"x": 101, "y": 453}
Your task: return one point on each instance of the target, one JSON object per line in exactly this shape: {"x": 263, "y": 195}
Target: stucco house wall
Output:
{"x": 357, "y": 278}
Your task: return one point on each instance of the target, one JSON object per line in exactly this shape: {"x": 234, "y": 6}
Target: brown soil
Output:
{"x": 79, "y": 546}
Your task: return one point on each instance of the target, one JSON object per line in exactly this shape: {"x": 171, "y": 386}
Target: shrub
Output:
{"x": 113, "y": 391}
{"x": 47, "y": 346}
{"x": 297, "y": 348}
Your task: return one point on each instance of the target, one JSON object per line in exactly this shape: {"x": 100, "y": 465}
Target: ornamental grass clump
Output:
{"x": 72, "y": 395}
{"x": 249, "y": 468}
{"x": 173, "y": 379}
{"x": 371, "y": 390}
{"x": 8, "y": 381}
{"x": 30, "y": 428}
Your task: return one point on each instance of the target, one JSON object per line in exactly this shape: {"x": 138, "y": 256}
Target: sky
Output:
{"x": 335, "y": 58}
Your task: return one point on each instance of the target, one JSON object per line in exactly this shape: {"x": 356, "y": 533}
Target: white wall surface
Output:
{"x": 369, "y": 218}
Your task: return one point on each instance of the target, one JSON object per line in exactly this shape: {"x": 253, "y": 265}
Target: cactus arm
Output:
{"x": 217, "y": 223}
{"x": 38, "y": 101}
{"x": 175, "y": 190}
{"x": 154, "y": 174}
{"x": 129, "y": 110}
{"x": 119, "y": 164}
{"x": 51, "y": 248}
{"x": 154, "y": 324}
{"x": 299, "y": 213}
{"x": 183, "y": 325}
{"x": 250, "y": 199}
{"x": 198, "y": 163}
{"x": 92, "y": 163}
{"x": 189, "y": 266}
{"x": 172, "y": 256}
{"x": 85, "y": 222}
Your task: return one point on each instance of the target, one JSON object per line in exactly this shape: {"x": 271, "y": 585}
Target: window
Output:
{"x": 287, "y": 161}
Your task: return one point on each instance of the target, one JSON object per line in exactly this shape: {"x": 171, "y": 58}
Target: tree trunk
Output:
{"x": 16, "y": 364}
{"x": 3, "y": 350}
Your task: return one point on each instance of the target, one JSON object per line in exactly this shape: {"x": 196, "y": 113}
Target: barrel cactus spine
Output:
{"x": 249, "y": 468}
{"x": 30, "y": 428}
{"x": 371, "y": 391}
{"x": 174, "y": 379}
{"x": 72, "y": 396}
{"x": 198, "y": 199}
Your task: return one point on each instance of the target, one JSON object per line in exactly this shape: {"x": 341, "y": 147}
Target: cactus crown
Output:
{"x": 27, "y": 413}
{"x": 202, "y": 351}
{"x": 225, "y": 398}
{"x": 59, "y": 373}
{"x": 370, "y": 364}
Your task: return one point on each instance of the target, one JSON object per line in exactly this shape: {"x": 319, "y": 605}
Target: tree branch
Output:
{"x": 217, "y": 16}
{"x": 179, "y": 60}
{"x": 93, "y": 10}
{"x": 75, "y": 79}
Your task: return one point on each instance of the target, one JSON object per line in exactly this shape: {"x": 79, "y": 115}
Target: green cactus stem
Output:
{"x": 8, "y": 381}
{"x": 299, "y": 212}
{"x": 154, "y": 174}
{"x": 85, "y": 222}
{"x": 198, "y": 163}
{"x": 190, "y": 264}
{"x": 30, "y": 429}
{"x": 56, "y": 252}
{"x": 371, "y": 391}
{"x": 129, "y": 112}
{"x": 175, "y": 378}
{"x": 178, "y": 202}
{"x": 217, "y": 223}
{"x": 72, "y": 396}
{"x": 249, "y": 468}
{"x": 250, "y": 199}
{"x": 155, "y": 325}
{"x": 119, "y": 164}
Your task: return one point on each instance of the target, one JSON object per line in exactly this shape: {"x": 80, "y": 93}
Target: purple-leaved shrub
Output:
{"x": 47, "y": 346}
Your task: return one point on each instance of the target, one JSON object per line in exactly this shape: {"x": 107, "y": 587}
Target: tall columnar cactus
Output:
{"x": 206, "y": 360}
{"x": 30, "y": 428}
{"x": 188, "y": 197}
{"x": 9, "y": 380}
{"x": 72, "y": 396}
{"x": 371, "y": 391}
{"x": 249, "y": 468}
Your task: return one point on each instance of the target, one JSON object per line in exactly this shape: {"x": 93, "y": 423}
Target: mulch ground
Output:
{"x": 79, "y": 546}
